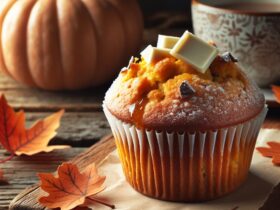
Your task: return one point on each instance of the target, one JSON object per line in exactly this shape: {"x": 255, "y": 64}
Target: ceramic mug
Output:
{"x": 249, "y": 29}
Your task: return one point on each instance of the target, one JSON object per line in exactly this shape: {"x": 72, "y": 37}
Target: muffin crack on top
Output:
{"x": 148, "y": 95}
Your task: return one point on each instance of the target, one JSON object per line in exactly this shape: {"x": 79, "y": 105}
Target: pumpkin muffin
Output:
{"x": 183, "y": 135}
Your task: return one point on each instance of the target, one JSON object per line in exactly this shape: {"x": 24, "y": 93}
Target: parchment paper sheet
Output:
{"x": 250, "y": 196}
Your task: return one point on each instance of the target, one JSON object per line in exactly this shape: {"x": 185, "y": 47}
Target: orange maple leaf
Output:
{"x": 18, "y": 140}
{"x": 276, "y": 91}
{"x": 71, "y": 188}
{"x": 273, "y": 151}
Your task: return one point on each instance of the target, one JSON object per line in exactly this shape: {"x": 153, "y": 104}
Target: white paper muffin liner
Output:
{"x": 185, "y": 166}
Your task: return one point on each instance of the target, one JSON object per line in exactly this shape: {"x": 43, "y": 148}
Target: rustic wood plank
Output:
{"x": 81, "y": 129}
{"x": 6, "y": 83}
{"x": 32, "y": 99}
{"x": 39, "y": 100}
{"x": 28, "y": 198}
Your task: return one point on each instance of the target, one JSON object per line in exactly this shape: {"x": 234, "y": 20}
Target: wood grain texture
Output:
{"x": 27, "y": 199}
{"x": 38, "y": 100}
{"x": 80, "y": 129}
{"x": 30, "y": 99}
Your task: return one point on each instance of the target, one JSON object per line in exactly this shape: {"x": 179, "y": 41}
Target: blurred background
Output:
{"x": 167, "y": 17}
{"x": 150, "y": 6}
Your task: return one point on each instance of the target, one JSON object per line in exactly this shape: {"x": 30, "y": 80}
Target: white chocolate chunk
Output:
{"x": 195, "y": 51}
{"x": 167, "y": 42}
{"x": 152, "y": 54}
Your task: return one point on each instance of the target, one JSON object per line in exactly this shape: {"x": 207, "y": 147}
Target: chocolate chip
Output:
{"x": 228, "y": 57}
{"x": 186, "y": 89}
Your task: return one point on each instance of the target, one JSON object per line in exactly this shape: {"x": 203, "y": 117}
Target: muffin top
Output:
{"x": 169, "y": 94}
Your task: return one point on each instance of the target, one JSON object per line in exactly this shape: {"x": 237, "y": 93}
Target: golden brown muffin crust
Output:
{"x": 149, "y": 96}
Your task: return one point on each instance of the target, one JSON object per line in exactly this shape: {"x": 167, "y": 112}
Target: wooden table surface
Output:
{"x": 82, "y": 125}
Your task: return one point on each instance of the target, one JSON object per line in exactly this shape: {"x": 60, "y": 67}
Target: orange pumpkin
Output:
{"x": 67, "y": 44}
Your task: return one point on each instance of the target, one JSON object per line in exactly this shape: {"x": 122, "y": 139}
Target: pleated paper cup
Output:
{"x": 185, "y": 166}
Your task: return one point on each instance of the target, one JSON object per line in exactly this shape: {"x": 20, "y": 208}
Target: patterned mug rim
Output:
{"x": 207, "y": 7}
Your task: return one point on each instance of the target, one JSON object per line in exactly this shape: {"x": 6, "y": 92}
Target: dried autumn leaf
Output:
{"x": 276, "y": 91}
{"x": 273, "y": 151}
{"x": 71, "y": 188}
{"x": 18, "y": 140}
